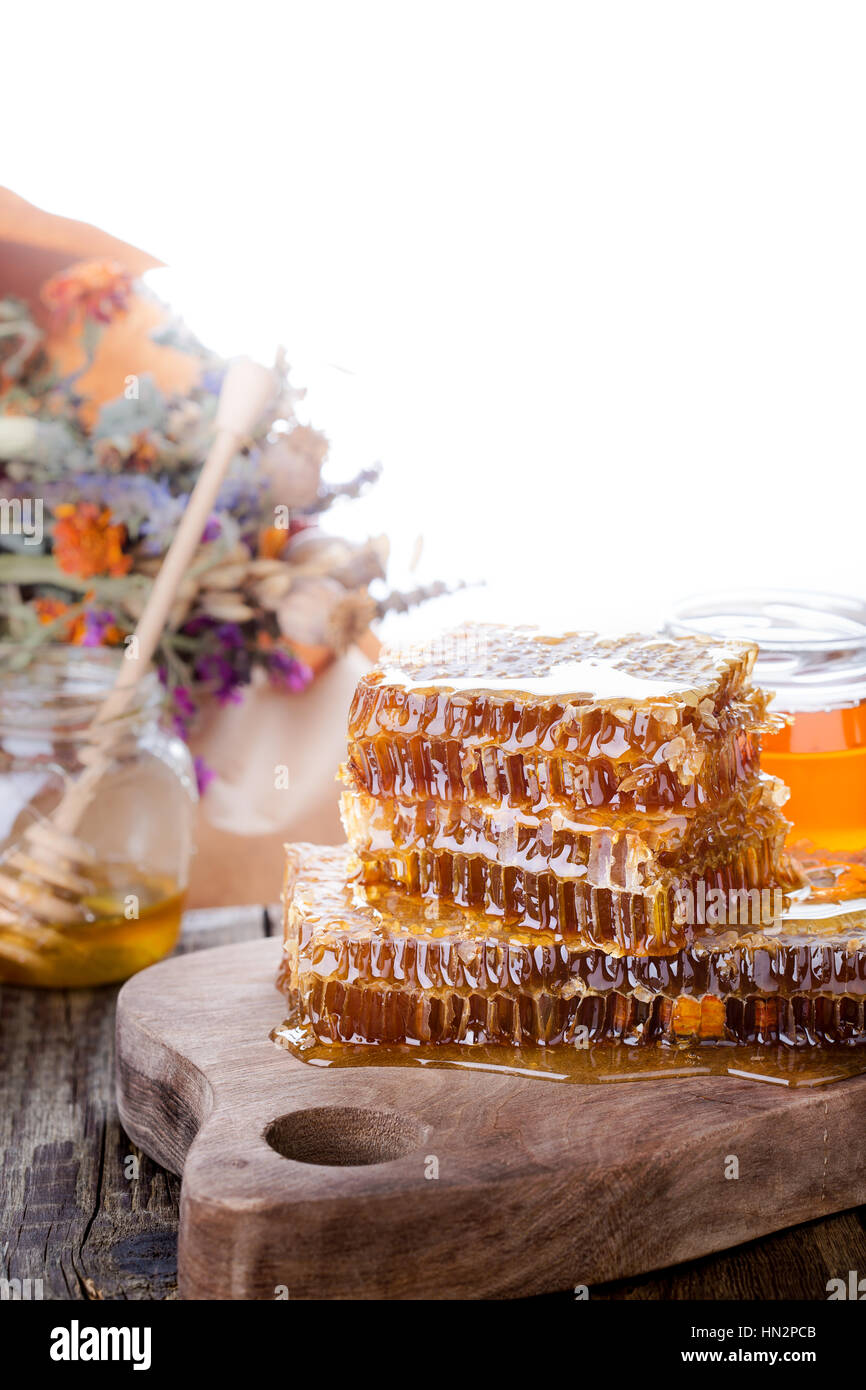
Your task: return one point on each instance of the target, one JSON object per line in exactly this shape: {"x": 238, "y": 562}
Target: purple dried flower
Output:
{"x": 212, "y": 380}
{"x": 204, "y": 775}
{"x": 196, "y": 626}
{"x": 288, "y": 671}
{"x": 214, "y": 668}
{"x": 183, "y": 702}
{"x": 231, "y": 636}
{"x": 183, "y": 710}
{"x": 95, "y": 623}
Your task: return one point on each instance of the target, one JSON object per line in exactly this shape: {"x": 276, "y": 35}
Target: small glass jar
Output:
{"x": 107, "y": 899}
{"x": 812, "y": 653}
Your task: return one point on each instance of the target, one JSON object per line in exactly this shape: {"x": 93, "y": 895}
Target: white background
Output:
{"x": 588, "y": 278}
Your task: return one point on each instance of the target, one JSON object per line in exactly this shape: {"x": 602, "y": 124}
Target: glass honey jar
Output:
{"x": 812, "y": 654}
{"x": 95, "y": 906}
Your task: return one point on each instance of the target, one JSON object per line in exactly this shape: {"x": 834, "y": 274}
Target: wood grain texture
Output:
{"x": 72, "y": 1218}
{"x": 540, "y": 1186}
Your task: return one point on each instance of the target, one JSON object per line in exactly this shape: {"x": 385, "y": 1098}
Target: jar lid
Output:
{"x": 812, "y": 646}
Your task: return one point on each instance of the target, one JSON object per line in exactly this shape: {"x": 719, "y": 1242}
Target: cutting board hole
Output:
{"x": 345, "y": 1137}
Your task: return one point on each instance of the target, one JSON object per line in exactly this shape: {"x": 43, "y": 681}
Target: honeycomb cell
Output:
{"x": 340, "y": 1013}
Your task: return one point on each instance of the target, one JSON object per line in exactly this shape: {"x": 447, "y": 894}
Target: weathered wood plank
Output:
{"x": 83, "y": 1210}
{"x": 790, "y": 1264}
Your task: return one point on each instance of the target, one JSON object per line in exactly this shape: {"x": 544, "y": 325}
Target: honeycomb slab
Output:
{"x": 362, "y": 966}
{"x": 535, "y": 826}
{"x": 612, "y": 883}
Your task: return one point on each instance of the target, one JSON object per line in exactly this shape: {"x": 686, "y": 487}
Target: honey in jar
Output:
{"x": 813, "y": 656}
{"x": 128, "y": 859}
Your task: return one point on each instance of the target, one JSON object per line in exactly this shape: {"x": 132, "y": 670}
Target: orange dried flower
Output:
{"x": 272, "y": 542}
{"x": 141, "y": 455}
{"x": 86, "y": 542}
{"x": 94, "y": 630}
{"x": 49, "y": 609}
{"x": 144, "y": 453}
{"x": 97, "y": 290}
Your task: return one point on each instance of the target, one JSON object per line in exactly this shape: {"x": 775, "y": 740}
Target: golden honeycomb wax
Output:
{"x": 581, "y": 721}
{"x": 363, "y": 966}
{"x": 616, "y": 882}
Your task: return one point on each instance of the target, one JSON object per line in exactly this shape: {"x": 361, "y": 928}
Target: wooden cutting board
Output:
{"x": 416, "y": 1183}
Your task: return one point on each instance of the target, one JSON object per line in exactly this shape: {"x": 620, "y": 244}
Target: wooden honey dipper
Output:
{"x": 47, "y": 873}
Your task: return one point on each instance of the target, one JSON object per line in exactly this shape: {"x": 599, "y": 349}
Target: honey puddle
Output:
{"x": 600, "y": 1063}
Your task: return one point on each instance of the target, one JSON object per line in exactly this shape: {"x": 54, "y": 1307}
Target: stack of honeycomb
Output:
{"x": 548, "y": 838}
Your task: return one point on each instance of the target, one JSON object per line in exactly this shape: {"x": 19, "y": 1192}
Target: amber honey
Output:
{"x": 821, "y": 757}
{"x": 812, "y": 655}
{"x": 93, "y": 902}
{"x": 601, "y": 1064}
{"x": 133, "y": 920}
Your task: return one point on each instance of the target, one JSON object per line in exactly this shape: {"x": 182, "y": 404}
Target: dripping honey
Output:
{"x": 133, "y": 920}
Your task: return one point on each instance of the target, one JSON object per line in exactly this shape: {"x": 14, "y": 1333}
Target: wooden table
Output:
{"x": 94, "y": 1218}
